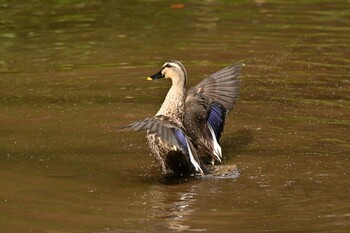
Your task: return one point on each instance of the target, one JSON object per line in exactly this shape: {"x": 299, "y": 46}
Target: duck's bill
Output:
{"x": 156, "y": 76}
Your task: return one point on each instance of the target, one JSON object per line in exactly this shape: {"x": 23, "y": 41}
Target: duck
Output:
{"x": 184, "y": 135}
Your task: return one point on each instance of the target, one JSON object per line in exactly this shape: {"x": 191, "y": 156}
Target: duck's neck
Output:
{"x": 174, "y": 103}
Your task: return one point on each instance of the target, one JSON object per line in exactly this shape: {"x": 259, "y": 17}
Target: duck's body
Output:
{"x": 184, "y": 134}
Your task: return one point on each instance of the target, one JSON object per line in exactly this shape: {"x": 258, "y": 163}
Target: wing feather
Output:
{"x": 157, "y": 126}
{"x": 165, "y": 128}
{"x": 221, "y": 87}
{"x": 206, "y": 107}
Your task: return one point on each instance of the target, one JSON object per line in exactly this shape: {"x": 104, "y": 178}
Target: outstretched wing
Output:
{"x": 221, "y": 87}
{"x": 170, "y": 131}
{"x": 158, "y": 126}
{"x": 207, "y": 105}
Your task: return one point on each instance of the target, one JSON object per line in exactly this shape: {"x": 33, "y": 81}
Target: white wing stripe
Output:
{"x": 193, "y": 161}
{"x": 217, "y": 148}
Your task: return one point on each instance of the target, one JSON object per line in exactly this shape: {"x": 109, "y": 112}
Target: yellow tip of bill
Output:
{"x": 149, "y": 78}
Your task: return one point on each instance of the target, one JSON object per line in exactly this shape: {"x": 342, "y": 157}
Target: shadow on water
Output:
{"x": 168, "y": 179}
{"x": 219, "y": 172}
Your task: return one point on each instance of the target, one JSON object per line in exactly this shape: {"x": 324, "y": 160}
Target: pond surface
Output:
{"x": 72, "y": 72}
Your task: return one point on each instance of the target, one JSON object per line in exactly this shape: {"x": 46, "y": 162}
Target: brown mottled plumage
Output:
{"x": 184, "y": 134}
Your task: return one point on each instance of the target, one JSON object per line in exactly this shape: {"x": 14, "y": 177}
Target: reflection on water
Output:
{"x": 174, "y": 211}
{"x": 71, "y": 72}
{"x": 174, "y": 206}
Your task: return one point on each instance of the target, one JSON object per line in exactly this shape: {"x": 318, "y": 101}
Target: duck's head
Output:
{"x": 172, "y": 69}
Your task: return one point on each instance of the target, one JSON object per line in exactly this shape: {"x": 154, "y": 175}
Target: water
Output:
{"x": 72, "y": 72}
